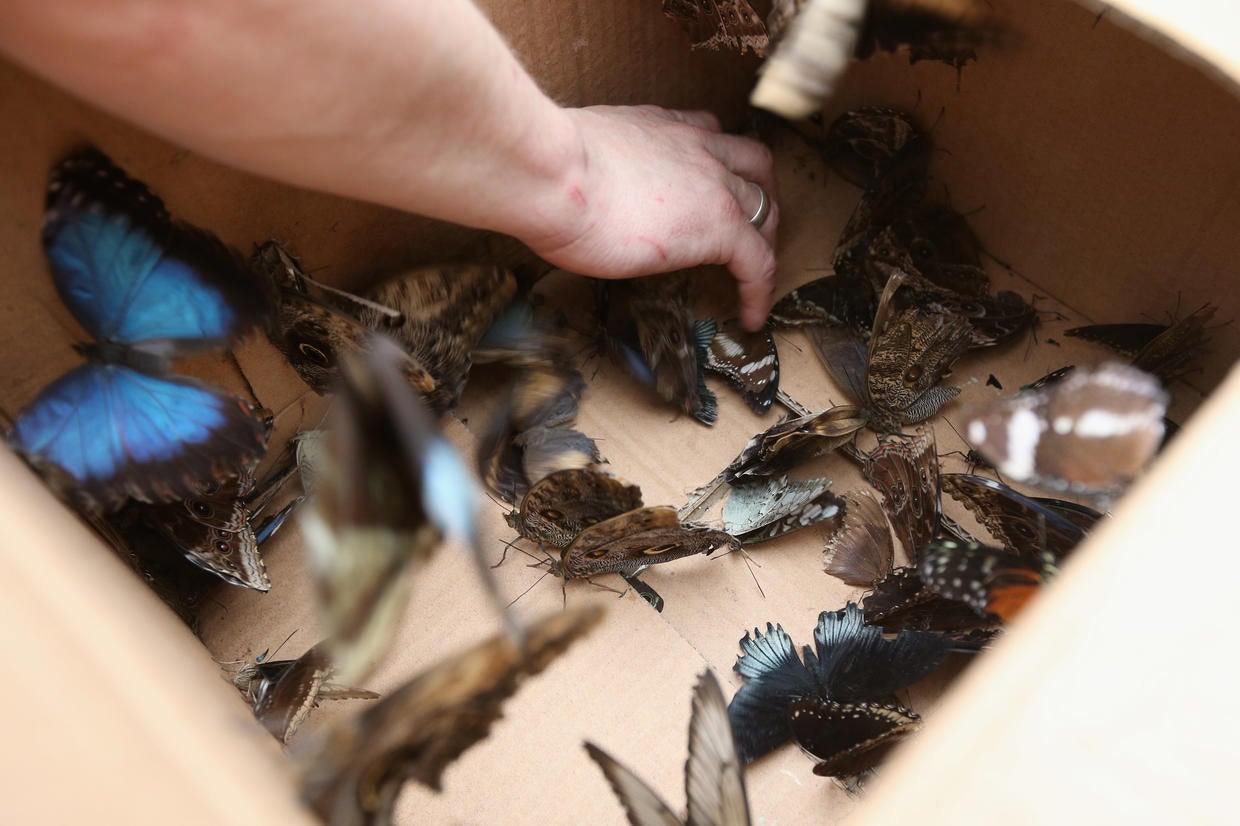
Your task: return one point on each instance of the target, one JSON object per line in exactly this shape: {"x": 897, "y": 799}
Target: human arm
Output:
{"x": 420, "y": 106}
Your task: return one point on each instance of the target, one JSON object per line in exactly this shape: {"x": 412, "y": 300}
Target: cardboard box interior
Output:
{"x": 1101, "y": 168}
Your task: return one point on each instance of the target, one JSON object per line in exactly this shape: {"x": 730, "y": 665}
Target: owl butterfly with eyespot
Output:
{"x": 1167, "y": 351}
{"x": 560, "y": 506}
{"x": 849, "y": 663}
{"x": 749, "y": 361}
{"x": 993, "y": 582}
{"x": 390, "y": 488}
{"x": 282, "y": 693}
{"x": 147, "y": 290}
{"x": 905, "y": 469}
{"x": 757, "y": 511}
{"x": 860, "y": 550}
{"x": 789, "y": 443}
{"x": 648, "y": 328}
{"x": 354, "y": 770}
{"x": 1023, "y": 525}
{"x": 215, "y": 529}
{"x": 1091, "y": 433}
{"x": 720, "y": 24}
{"x": 714, "y": 782}
{"x": 910, "y": 352}
{"x": 437, "y": 314}
{"x": 633, "y": 541}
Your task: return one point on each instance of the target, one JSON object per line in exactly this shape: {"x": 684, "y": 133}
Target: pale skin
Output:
{"x": 420, "y": 105}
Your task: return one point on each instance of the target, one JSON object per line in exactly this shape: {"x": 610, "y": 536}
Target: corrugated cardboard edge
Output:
{"x": 94, "y": 661}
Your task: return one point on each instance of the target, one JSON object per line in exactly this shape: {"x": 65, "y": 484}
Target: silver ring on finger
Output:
{"x": 764, "y": 207}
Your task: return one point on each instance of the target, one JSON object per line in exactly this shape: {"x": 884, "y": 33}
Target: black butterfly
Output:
{"x": 848, "y": 739}
{"x": 850, "y": 663}
{"x": 1167, "y": 351}
{"x": 714, "y": 783}
{"x": 749, "y": 361}
{"x": 901, "y": 600}
{"x": 993, "y": 582}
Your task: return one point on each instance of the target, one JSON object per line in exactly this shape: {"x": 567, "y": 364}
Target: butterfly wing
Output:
{"x": 901, "y": 600}
{"x": 354, "y": 771}
{"x": 848, "y": 738}
{"x": 774, "y": 676}
{"x": 1021, "y": 524}
{"x": 641, "y": 804}
{"x": 122, "y": 433}
{"x": 130, "y": 274}
{"x": 233, "y": 556}
{"x": 286, "y": 691}
{"x": 562, "y": 505}
{"x": 720, "y": 24}
{"x": 991, "y": 581}
{"x": 906, "y": 470}
{"x": 762, "y": 510}
{"x": 714, "y": 784}
{"x": 857, "y": 662}
{"x": 627, "y": 543}
{"x": 749, "y": 361}
{"x": 860, "y": 552}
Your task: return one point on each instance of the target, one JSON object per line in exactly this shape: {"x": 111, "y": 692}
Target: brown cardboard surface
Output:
{"x": 1107, "y": 173}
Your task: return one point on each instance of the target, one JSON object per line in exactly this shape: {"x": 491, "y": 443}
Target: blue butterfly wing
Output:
{"x": 121, "y": 433}
{"x": 128, "y": 272}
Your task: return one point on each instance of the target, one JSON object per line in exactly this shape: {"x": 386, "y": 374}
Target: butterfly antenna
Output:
{"x": 263, "y": 657}
{"x": 249, "y": 388}
{"x": 393, "y": 317}
{"x": 527, "y": 590}
{"x": 508, "y": 544}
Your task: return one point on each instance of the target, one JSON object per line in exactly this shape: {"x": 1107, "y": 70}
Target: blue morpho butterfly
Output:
{"x": 148, "y": 290}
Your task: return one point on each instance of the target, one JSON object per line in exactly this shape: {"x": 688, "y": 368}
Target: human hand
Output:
{"x": 661, "y": 190}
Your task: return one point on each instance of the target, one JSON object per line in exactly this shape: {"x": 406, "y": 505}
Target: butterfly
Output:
{"x": 389, "y": 488}
{"x": 147, "y": 289}
{"x": 720, "y": 24}
{"x": 850, "y": 662}
{"x": 832, "y": 301}
{"x": 789, "y": 443}
{"x": 216, "y": 529}
{"x": 765, "y": 509}
{"x": 648, "y": 327}
{"x": 949, "y": 32}
{"x": 862, "y": 144}
{"x": 860, "y": 550}
{"x": 749, "y": 361}
{"x": 991, "y": 581}
{"x": 563, "y": 504}
{"x": 631, "y": 542}
{"x": 1022, "y": 524}
{"x": 1092, "y": 432}
{"x": 282, "y": 693}
{"x": 901, "y": 600}
{"x": 848, "y": 739}
{"x": 714, "y": 782}
{"x": 905, "y": 469}
{"x": 437, "y": 314}
{"x": 354, "y": 770}
{"x": 1165, "y": 350}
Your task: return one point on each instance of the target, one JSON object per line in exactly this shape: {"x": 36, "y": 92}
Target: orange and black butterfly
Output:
{"x": 993, "y": 582}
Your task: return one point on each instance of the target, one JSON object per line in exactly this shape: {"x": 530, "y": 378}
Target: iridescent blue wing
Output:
{"x": 129, "y": 273}
{"x": 121, "y": 433}
{"x": 774, "y": 677}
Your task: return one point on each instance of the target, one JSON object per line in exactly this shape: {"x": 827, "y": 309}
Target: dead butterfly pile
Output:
{"x": 167, "y": 467}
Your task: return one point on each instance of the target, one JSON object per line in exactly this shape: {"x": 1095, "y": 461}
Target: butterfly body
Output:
{"x": 148, "y": 290}
{"x": 560, "y": 506}
{"x": 628, "y": 543}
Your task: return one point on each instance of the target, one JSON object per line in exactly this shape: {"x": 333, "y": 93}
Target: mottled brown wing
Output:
{"x": 911, "y": 350}
{"x": 860, "y": 552}
{"x": 714, "y": 781}
{"x": 720, "y": 24}
{"x": 1021, "y": 524}
{"x": 444, "y": 312}
{"x": 284, "y": 692}
{"x": 863, "y": 144}
{"x": 629, "y": 542}
{"x": 905, "y": 469}
{"x": 781, "y": 447}
{"x": 354, "y": 771}
{"x": 231, "y": 555}
{"x": 560, "y": 506}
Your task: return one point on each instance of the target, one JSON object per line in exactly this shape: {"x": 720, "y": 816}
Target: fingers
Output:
{"x": 746, "y": 158}
{"x": 700, "y": 119}
{"x": 750, "y": 199}
{"x": 753, "y": 266}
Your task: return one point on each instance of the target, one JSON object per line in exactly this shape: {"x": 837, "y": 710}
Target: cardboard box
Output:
{"x": 1102, "y": 165}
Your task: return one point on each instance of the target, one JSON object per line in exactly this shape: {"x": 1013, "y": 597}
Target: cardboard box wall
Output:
{"x": 1107, "y": 167}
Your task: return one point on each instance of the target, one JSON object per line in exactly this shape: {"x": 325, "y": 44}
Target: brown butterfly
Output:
{"x": 560, "y": 506}
{"x": 284, "y": 692}
{"x": 779, "y": 448}
{"x": 720, "y": 24}
{"x": 390, "y": 488}
{"x": 1092, "y": 432}
{"x": 714, "y": 782}
{"x": 749, "y": 361}
{"x": 906, "y": 470}
{"x": 1024, "y": 525}
{"x": 766, "y": 509}
{"x": 862, "y": 145}
{"x": 860, "y": 551}
{"x": 353, "y": 772}
{"x": 629, "y": 543}
{"x": 648, "y": 327}
{"x": 911, "y": 350}
{"x": 1167, "y": 351}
